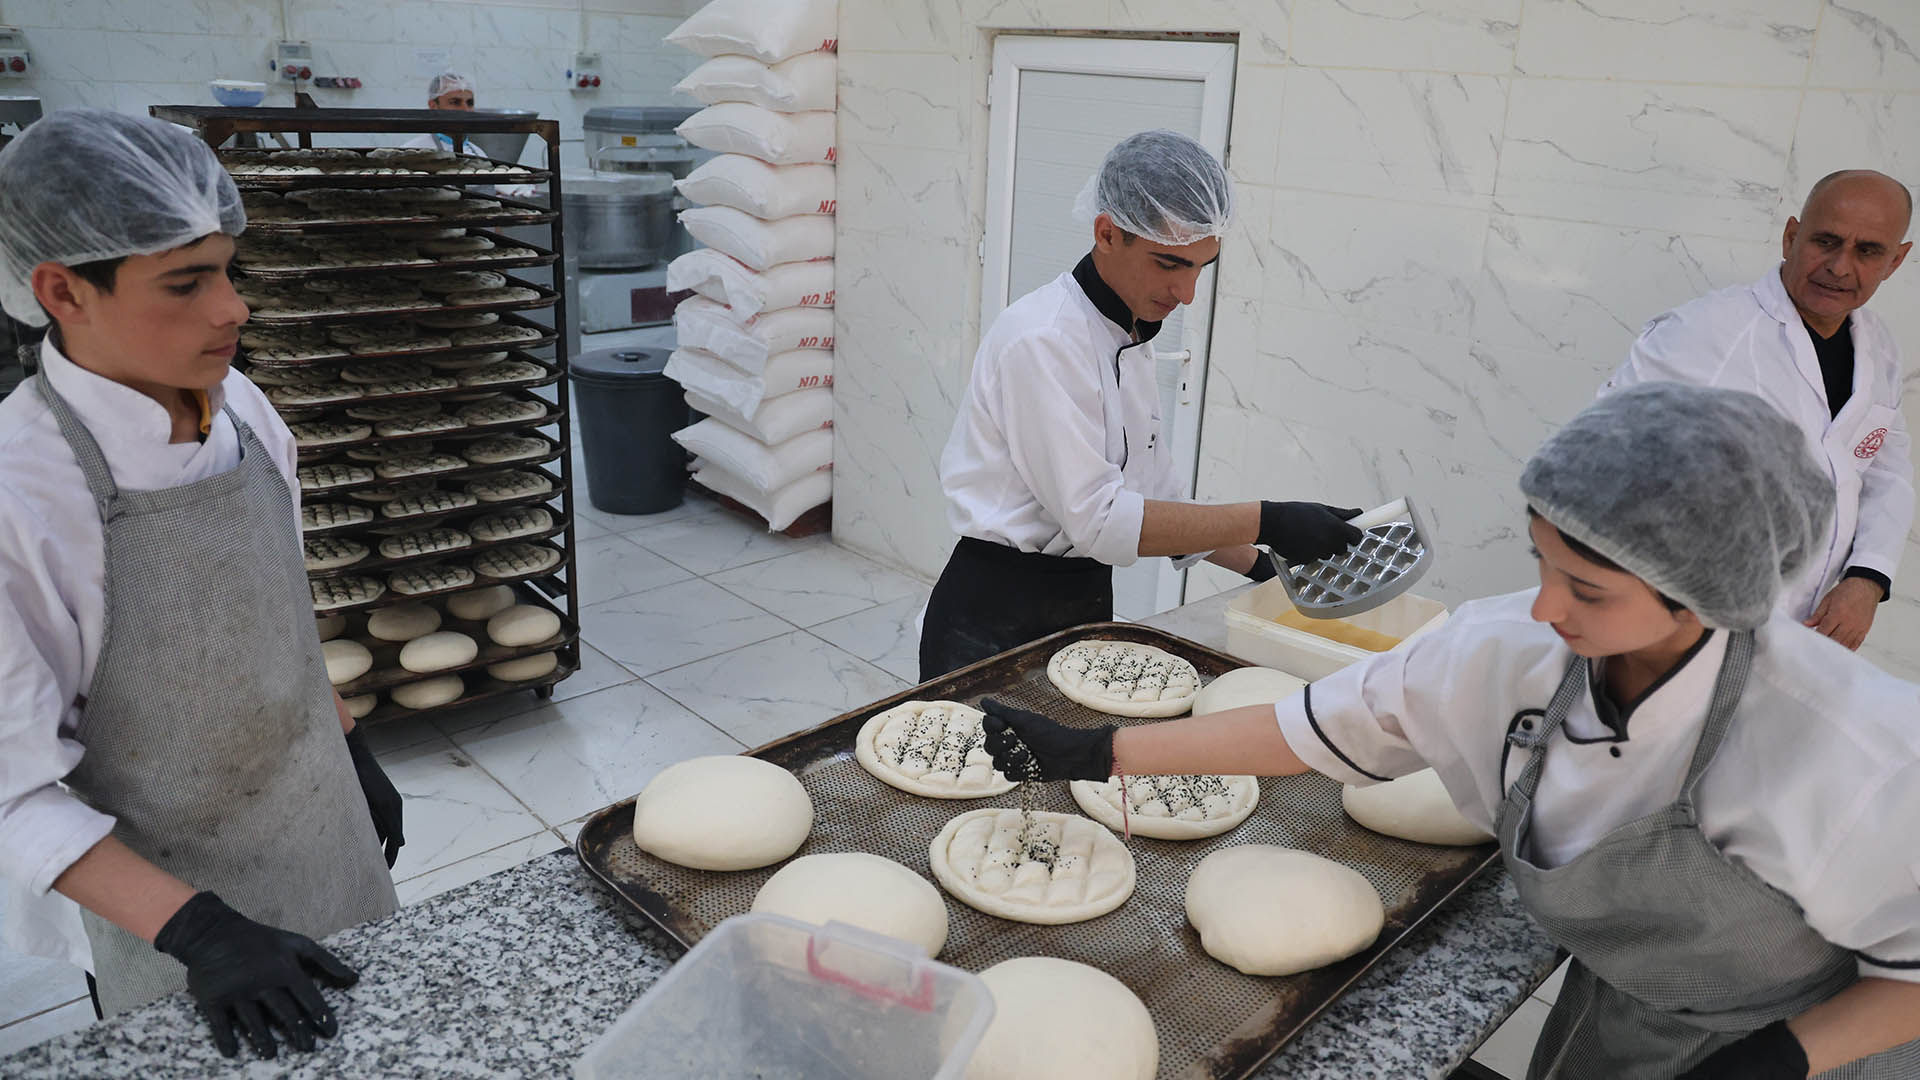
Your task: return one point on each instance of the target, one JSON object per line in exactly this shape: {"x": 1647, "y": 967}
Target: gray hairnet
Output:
{"x": 1710, "y": 496}
{"x": 1160, "y": 185}
{"x": 447, "y": 82}
{"x": 84, "y": 185}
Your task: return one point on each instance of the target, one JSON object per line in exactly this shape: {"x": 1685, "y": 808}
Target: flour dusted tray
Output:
{"x": 1214, "y": 1022}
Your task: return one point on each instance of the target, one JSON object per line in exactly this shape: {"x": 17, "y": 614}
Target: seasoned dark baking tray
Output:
{"x": 387, "y": 672}
{"x": 248, "y": 181}
{"x": 437, "y": 517}
{"x": 461, "y": 556}
{"x": 533, "y": 214}
{"x": 376, "y": 564}
{"x": 469, "y": 472}
{"x": 452, "y": 437}
{"x": 547, "y": 337}
{"x": 540, "y": 257}
{"x": 1213, "y": 1021}
{"x": 543, "y": 297}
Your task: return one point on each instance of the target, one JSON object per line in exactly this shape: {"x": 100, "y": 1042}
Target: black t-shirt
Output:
{"x": 1836, "y": 363}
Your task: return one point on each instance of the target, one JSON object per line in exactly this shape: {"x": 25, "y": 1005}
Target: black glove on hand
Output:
{"x": 1262, "y": 568}
{"x": 1301, "y": 532}
{"x": 1028, "y": 746}
{"x": 383, "y": 799}
{"x": 1772, "y": 1053}
{"x": 242, "y": 972}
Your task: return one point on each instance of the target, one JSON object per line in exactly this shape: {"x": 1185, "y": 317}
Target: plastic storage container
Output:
{"x": 772, "y": 997}
{"x": 1253, "y": 633}
{"x": 628, "y": 411}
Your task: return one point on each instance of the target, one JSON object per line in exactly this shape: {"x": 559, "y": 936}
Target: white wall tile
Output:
{"x": 894, "y": 189}
{"x": 1397, "y": 134}
{"x": 340, "y": 20}
{"x": 1397, "y": 263}
{"x": 246, "y": 18}
{"x": 1868, "y": 43}
{"x": 1429, "y": 35}
{"x": 155, "y": 16}
{"x": 902, "y": 26}
{"x": 1761, "y": 42}
{"x": 433, "y": 23}
{"x": 1261, "y": 24}
{"x": 1864, "y": 130}
{"x": 1253, "y": 148}
{"x": 906, "y": 99}
{"x": 1036, "y": 14}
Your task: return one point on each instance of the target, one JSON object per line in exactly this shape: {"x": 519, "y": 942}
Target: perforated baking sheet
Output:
{"x": 1213, "y": 1021}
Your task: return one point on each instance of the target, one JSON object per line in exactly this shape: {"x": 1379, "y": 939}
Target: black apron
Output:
{"x": 991, "y": 598}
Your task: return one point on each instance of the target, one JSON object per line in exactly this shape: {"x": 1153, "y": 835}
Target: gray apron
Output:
{"x": 1677, "y": 951}
{"x": 209, "y": 728}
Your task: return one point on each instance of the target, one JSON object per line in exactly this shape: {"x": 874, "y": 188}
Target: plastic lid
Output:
{"x": 636, "y": 120}
{"x": 620, "y": 366}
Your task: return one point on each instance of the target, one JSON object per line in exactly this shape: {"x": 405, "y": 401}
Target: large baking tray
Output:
{"x": 332, "y": 451}
{"x": 1213, "y": 1021}
{"x": 548, "y": 336}
{"x": 540, "y": 257}
{"x": 390, "y": 597}
{"x": 438, "y": 517}
{"x": 543, "y": 297}
{"x": 519, "y": 174}
{"x": 535, "y": 215}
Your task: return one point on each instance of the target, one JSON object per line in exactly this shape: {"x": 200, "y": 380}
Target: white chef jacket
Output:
{"x": 432, "y": 141}
{"x": 1751, "y": 337}
{"x": 1057, "y": 445}
{"x": 52, "y": 574}
{"x": 1816, "y": 788}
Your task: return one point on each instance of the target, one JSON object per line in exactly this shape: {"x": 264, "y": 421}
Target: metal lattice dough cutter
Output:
{"x": 1387, "y": 560}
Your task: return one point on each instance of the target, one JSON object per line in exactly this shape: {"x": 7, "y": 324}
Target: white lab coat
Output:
{"x": 1751, "y": 338}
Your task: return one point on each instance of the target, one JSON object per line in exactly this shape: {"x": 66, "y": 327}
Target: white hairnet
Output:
{"x": 1710, "y": 496}
{"x": 82, "y": 185}
{"x": 447, "y": 82}
{"x": 1160, "y": 185}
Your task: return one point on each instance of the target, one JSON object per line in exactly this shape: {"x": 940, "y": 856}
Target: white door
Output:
{"x": 1057, "y": 105}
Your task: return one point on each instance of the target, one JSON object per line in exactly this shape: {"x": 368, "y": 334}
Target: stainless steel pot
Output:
{"x": 503, "y": 146}
{"x": 614, "y": 224}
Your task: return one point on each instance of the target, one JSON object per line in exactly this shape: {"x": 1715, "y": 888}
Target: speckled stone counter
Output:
{"x": 516, "y": 975}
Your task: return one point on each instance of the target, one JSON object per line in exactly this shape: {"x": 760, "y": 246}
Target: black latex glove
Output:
{"x": 1772, "y": 1053}
{"x": 1301, "y": 532}
{"x": 1028, "y": 746}
{"x": 1262, "y": 568}
{"x": 247, "y": 975}
{"x": 383, "y": 799}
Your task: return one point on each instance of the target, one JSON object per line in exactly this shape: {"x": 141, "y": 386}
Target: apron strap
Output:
{"x": 1727, "y": 691}
{"x": 1572, "y": 685}
{"x": 93, "y": 463}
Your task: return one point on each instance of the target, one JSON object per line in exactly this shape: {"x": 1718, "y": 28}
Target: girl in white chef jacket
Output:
{"x": 1710, "y": 806}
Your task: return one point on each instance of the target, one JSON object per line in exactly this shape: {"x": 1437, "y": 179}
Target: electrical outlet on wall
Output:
{"x": 292, "y": 61}
{"x": 15, "y": 61}
{"x": 585, "y": 72}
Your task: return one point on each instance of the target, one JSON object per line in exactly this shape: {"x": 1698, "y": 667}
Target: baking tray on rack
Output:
{"x": 512, "y": 173}
{"x": 544, "y": 297}
{"x": 326, "y": 494}
{"x": 318, "y": 452}
{"x": 461, "y": 556}
{"x": 1213, "y": 1022}
{"x": 376, "y": 564}
{"x": 528, "y": 214}
{"x": 540, "y": 257}
{"x": 427, "y": 520}
{"x": 547, "y": 337}
{"x": 387, "y": 672}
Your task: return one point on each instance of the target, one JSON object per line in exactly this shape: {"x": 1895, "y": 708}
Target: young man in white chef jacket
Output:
{"x": 1709, "y": 805}
{"x": 1056, "y": 470}
{"x": 169, "y": 742}
{"x": 449, "y": 90}
{"x": 1800, "y": 337}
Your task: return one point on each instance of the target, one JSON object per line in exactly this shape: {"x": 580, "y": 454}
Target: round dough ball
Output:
{"x": 438, "y": 651}
{"x": 346, "y": 659}
{"x": 724, "y": 812}
{"x": 1246, "y": 686}
{"x": 428, "y": 693}
{"x": 360, "y": 706}
{"x": 480, "y": 604}
{"x": 331, "y": 626}
{"x": 867, "y": 891}
{"x": 525, "y": 668}
{"x": 1060, "y": 1020}
{"x": 522, "y": 624}
{"x": 1415, "y": 807}
{"x": 403, "y": 622}
{"x": 1270, "y": 910}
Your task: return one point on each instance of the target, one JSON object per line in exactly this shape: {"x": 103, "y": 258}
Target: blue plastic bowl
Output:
{"x": 239, "y": 95}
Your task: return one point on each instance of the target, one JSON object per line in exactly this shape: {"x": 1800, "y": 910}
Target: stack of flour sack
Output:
{"x": 755, "y": 349}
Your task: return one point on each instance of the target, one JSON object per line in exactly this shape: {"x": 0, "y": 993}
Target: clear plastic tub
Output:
{"x": 773, "y": 998}
{"x": 1253, "y": 633}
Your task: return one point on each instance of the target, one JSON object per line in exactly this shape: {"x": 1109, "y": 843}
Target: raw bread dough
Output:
{"x": 438, "y": 651}
{"x": 934, "y": 749}
{"x": 1415, "y": 807}
{"x": 331, "y": 626}
{"x": 1124, "y": 678}
{"x": 522, "y": 625}
{"x": 346, "y": 659}
{"x": 1170, "y": 807}
{"x": 360, "y": 706}
{"x": 525, "y": 668}
{"x": 1060, "y": 1020}
{"x": 723, "y": 812}
{"x": 428, "y": 693}
{"x": 1270, "y": 910}
{"x": 403, "y": 622}
{"x": 1067, "y": 869}
{"x": 862, "y": 890}
{"x": 480, "y": 604}
{"x": 1246, "y": 686}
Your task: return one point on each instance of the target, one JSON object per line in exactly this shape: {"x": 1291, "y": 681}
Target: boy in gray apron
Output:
{"x": 243, "y": 824}
{"x": 1711, "y": 807}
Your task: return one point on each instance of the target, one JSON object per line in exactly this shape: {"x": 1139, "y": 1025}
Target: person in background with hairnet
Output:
{"x": 1709, "y": 805}
{"x": 1056, "y": 470}
{"x": 172, "y": 755}
{"x": 448, "y": 90}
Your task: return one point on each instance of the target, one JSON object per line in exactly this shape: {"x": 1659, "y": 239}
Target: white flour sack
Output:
{"x": 766, "y": 468}
{"x": 702, "y": 324}
{"x": 786, "y": 373}
{"x": 800, "y": 84}
{"x": 777, "y": 419}
{"x": 779, "y": 508}
{"x": 760, "y": 244}
{"x": 763, "y": 190}
{"x": 801, "y": 138}
{"x": 767, "y": 30}
{"x": 747, "y": 292}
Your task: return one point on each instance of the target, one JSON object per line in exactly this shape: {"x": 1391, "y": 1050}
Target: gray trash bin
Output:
{"x": 627, "y": 412}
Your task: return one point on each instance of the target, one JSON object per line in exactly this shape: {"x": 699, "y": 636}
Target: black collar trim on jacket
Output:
{"x": 1616, "y": 718}
{"x": 1109, "y": 304}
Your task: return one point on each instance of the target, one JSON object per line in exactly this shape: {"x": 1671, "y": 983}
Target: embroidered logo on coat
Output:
{"x": 1870, "y": 445}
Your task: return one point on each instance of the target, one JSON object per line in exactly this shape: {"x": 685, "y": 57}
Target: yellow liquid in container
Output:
{"x": 1336, "y": 630}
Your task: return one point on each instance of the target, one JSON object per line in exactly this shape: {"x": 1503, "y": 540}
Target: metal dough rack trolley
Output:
{"x": 537, "y": 342}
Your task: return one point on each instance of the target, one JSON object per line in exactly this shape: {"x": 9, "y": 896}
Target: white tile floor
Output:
{"x": 703, "y": 634}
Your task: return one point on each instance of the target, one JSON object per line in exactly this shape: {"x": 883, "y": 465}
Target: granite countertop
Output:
{"x": 516, "y": 975}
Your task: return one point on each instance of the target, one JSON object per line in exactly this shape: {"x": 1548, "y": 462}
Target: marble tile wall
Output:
{"x": 1456, "y": 216}
{"x": 129, "y": 54}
